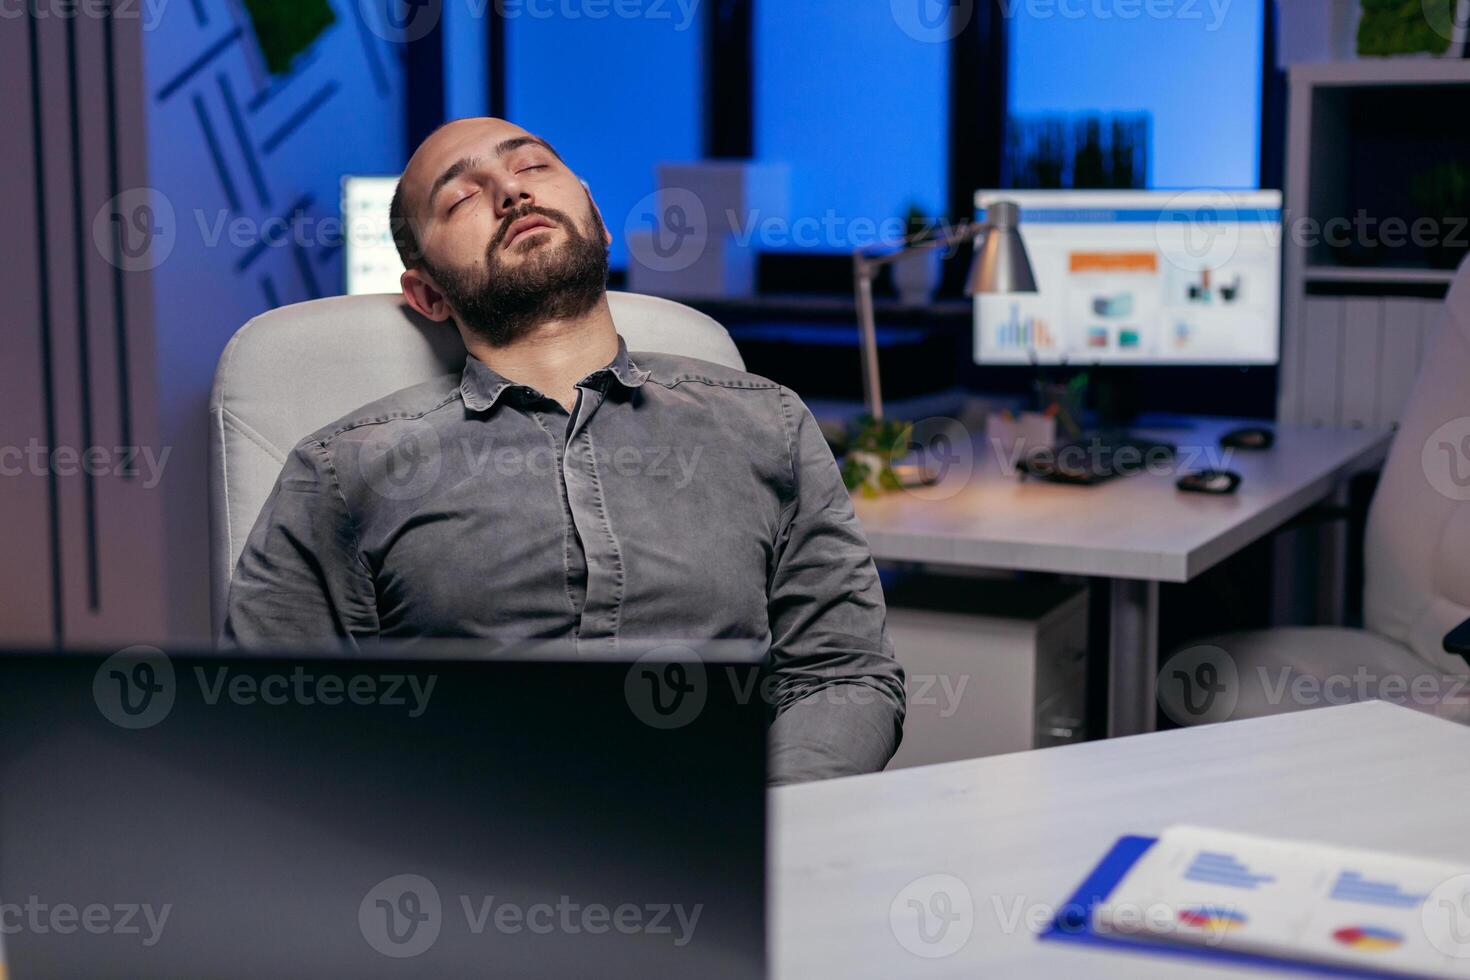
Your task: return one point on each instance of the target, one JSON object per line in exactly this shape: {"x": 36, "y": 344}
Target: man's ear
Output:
{"x": 423, "y": 296}
{"x": 606, "y": 235}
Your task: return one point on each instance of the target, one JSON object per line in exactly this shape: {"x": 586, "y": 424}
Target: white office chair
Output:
{"x": 1416, "y": 557}
{"x": 288, "y": 372}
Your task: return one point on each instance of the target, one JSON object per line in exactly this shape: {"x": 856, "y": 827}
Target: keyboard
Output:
{"x": 1096, "y": 458}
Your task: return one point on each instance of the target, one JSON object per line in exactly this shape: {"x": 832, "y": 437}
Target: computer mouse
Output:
{"x": 1249, "y": 437}
{"x": 1209, "y": 481}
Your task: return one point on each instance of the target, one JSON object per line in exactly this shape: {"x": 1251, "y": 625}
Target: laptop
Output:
{"x": 433, "y": 812}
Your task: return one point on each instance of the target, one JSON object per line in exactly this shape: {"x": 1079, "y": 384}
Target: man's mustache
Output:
{"x": 560, "y": 217}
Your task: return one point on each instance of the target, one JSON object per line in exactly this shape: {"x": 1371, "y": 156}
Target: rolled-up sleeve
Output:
{"x": 300, "y": 580}
{"x": 839, "y": 694}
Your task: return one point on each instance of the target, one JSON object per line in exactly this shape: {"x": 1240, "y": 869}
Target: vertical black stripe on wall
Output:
{"x": 43, "y": 275}
{"x": 1272, "y": 171}
{"x": 495, "y": 74}
{"x": 978, "y": 59}
{"x": 81, "y": 234}
{"x": 1273, "y": 106}
{"x": 119, "y": 302}
{"x": 423, "y": 78}
{"x": 729, "y": 93}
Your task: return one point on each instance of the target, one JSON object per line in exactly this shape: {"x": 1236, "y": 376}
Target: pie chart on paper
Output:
{"x": 1211, "y": 917}
{"x": 1369, "y": 938}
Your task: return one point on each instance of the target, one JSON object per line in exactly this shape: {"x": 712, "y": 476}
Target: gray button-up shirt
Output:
{"x": 678, "y": 500}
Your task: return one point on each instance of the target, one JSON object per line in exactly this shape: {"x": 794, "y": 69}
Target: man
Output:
{"x": 564, "y": 488}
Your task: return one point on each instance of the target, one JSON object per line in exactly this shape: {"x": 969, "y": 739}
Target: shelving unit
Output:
{"x": 1356, "y": 318}
{"x": 1384, "y": 276}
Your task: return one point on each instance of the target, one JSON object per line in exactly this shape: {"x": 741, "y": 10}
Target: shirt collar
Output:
{"x": 481, "y": 386}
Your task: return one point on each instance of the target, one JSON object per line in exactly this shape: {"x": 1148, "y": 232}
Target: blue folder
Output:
{"x": 1073, "y": 923}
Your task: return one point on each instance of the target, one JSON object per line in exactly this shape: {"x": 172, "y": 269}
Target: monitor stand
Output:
{"x": 1108, "y": 447}
{"x": 1114, "y": 393}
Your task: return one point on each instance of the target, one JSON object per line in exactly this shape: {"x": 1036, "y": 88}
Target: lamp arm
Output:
{"x": 869, "y": 263}
{"x": 865, "y": 268}
{"x": 862, "y": 276}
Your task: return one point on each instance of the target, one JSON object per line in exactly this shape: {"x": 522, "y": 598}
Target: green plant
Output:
{"x": 1390, "y": 27}
{"x": 1442, "y": 193}
{"x": 917, "y": 225}
{"x": 1088, "y": 168}
{"x": 285, "y": 28}
{"x": 1063, "y": 401}
{"x": 1081, "y": 150}
{"x": 872, "y": 450}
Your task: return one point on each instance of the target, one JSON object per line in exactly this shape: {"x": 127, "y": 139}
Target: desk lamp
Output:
{"x": 1000, "y": 266}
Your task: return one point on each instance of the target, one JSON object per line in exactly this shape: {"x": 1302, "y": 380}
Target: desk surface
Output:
{"x": 1021, "y": 831}
{"x": 1138, "y": 527}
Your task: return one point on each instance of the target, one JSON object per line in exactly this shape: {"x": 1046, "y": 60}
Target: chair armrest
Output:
{"x": 1457, "y": 640}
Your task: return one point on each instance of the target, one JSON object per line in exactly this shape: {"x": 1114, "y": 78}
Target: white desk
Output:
{"x": 1133, "y": 531}
{"x": 1021, "y": 831}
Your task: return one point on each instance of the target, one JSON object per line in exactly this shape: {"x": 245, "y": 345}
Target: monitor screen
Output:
{"x": 1139, "y": 277}
{"x": 372, "y": 260}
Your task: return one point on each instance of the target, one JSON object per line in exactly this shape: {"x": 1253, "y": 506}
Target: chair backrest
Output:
{"x": 270, "y": 389}
{"x": 1417, "y": 552}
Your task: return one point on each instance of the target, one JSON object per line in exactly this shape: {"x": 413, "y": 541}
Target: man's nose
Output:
{"x": 513, "y": 195}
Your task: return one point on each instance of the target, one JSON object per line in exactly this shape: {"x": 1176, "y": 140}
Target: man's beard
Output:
{"x": 506, "y": 302}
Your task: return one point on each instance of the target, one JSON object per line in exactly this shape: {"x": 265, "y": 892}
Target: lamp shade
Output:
{"x": 1001, "y": 264}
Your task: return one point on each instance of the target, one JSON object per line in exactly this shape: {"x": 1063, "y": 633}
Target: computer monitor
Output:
{"x": 372, "y": 259}
{"x": 1139, "y": 277}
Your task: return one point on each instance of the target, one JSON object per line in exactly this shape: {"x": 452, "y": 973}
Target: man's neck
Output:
{"x": 556, "y": 354}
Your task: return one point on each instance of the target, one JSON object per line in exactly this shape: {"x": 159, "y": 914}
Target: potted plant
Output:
{"x": 1390, "y": 28}
{"x": 916, "y": 275}
{"x": 872, "y": 450}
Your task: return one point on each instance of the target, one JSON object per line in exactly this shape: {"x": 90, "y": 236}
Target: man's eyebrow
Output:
{"x": 516, "y": 142}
